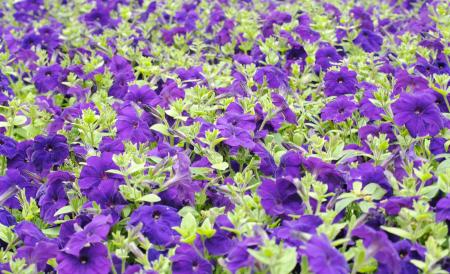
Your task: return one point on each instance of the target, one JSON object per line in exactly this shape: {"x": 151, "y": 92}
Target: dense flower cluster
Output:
{"x": 228, "y": 136}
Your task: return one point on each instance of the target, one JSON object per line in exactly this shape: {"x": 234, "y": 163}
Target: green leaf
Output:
{"x": 343, "y": 203}
{"x": 206, "y": 229}
{"x": 286, "y": 263}
{"x": 260, "y": 256}
{"x": 19, "y": 120}
{"x": 163, "y": 129}
{"x": 188, "y": 228}
{"x": 220, "y": 166}
{"x": 52, "y": 232}
{"x": 64, "y": 210}
{"x": 443, "y": 166}
{"x": 399, "y": 232}
{"x": 375, "y": 191}
{"x": 419, "y": 264}
{"x": 200, "y": 173}
{"x": 150, "y": 198}
{"x": 6, "y": 234}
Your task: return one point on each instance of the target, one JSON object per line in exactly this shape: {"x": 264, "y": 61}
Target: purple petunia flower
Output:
{"x": 29, "y": 233}
{"x": 379, "y": 247}
{"x": 280, "y": 198}
{"x": 222, "y": 241}
{"x": 273, "y": 76}
{"x": 289, "y": 230}
{"x": 48, "y": 78}
{"x": 437, "y": 146}
{"x": 140, "y": 95}
{"x": 235, "y": 116}
{"x": 49, "y": 151}
{"x": 369, "y": 41}
{"x": 443, "y": 209}
{"x": 394, "y": 204}
{"x": 94, "y": 232}
{"x": 114, "y": 146}
{"x": 267, "y": 163}
{"x": 238, "y": 257}
{"x": 119, "y": 87}
{"x": 131, "y": 126}
{"x": 340, "y": 82}
{"x": 418, "y": 113}
{"x": 325, "y": 173}
{"x": 52, "y": 196}
{"x": 170, "y": 92}
{"x": 323, "y": 258}
{"x": 236, "y": 136}
{"x": 92, "y": 259}
{"x": 187, "y": 260}
{"x": 6, "y": 218}
{"x": 375, "y": 219}
{"x": 404, "y": 81}
{"x": 367, "y": 108}
{"x": 288, "y": 115}
{"x": 8, "y": 146}
{"x": 10, "y": 184}
{"x": 338, "y": 110}
{"x": 290, "y": 164}
{"x": 157, "y": 221}
{"x": 366, "y": 173}
{"x": 407, "y": 252}
{"x": 168, "y": 34}
{"x": 325, "y": 57}
{"x": 180, "y": 188}
{"x": 94, "y": 173}
{"x": 39, "y": 254}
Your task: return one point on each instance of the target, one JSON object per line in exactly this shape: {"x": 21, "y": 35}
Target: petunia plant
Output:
{"x": 229, "y": 136}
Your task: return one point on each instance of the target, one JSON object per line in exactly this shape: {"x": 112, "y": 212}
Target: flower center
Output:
{"x": 418, "y": 111}
{"x": 48, "y": 148}
{"x": 156, "y": 215}
{"x": 83, "y": 259}
{"x": 340, "y": 80}
{"x": 195, "y": 265}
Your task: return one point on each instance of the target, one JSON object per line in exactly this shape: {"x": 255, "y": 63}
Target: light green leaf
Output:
{"x": 161, "y": 129}
{"x": 150, "y": 198}
{"x": 343, "y": 203}
{"x": 64, "y": 210}
{"x": 220, "y": 166}
{"x": 398, "y": 231}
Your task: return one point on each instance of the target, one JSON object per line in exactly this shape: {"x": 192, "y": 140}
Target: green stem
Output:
{"x": 2, "y": 165}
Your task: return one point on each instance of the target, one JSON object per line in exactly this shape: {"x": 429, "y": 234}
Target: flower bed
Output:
{"x": 229, "y": 136}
